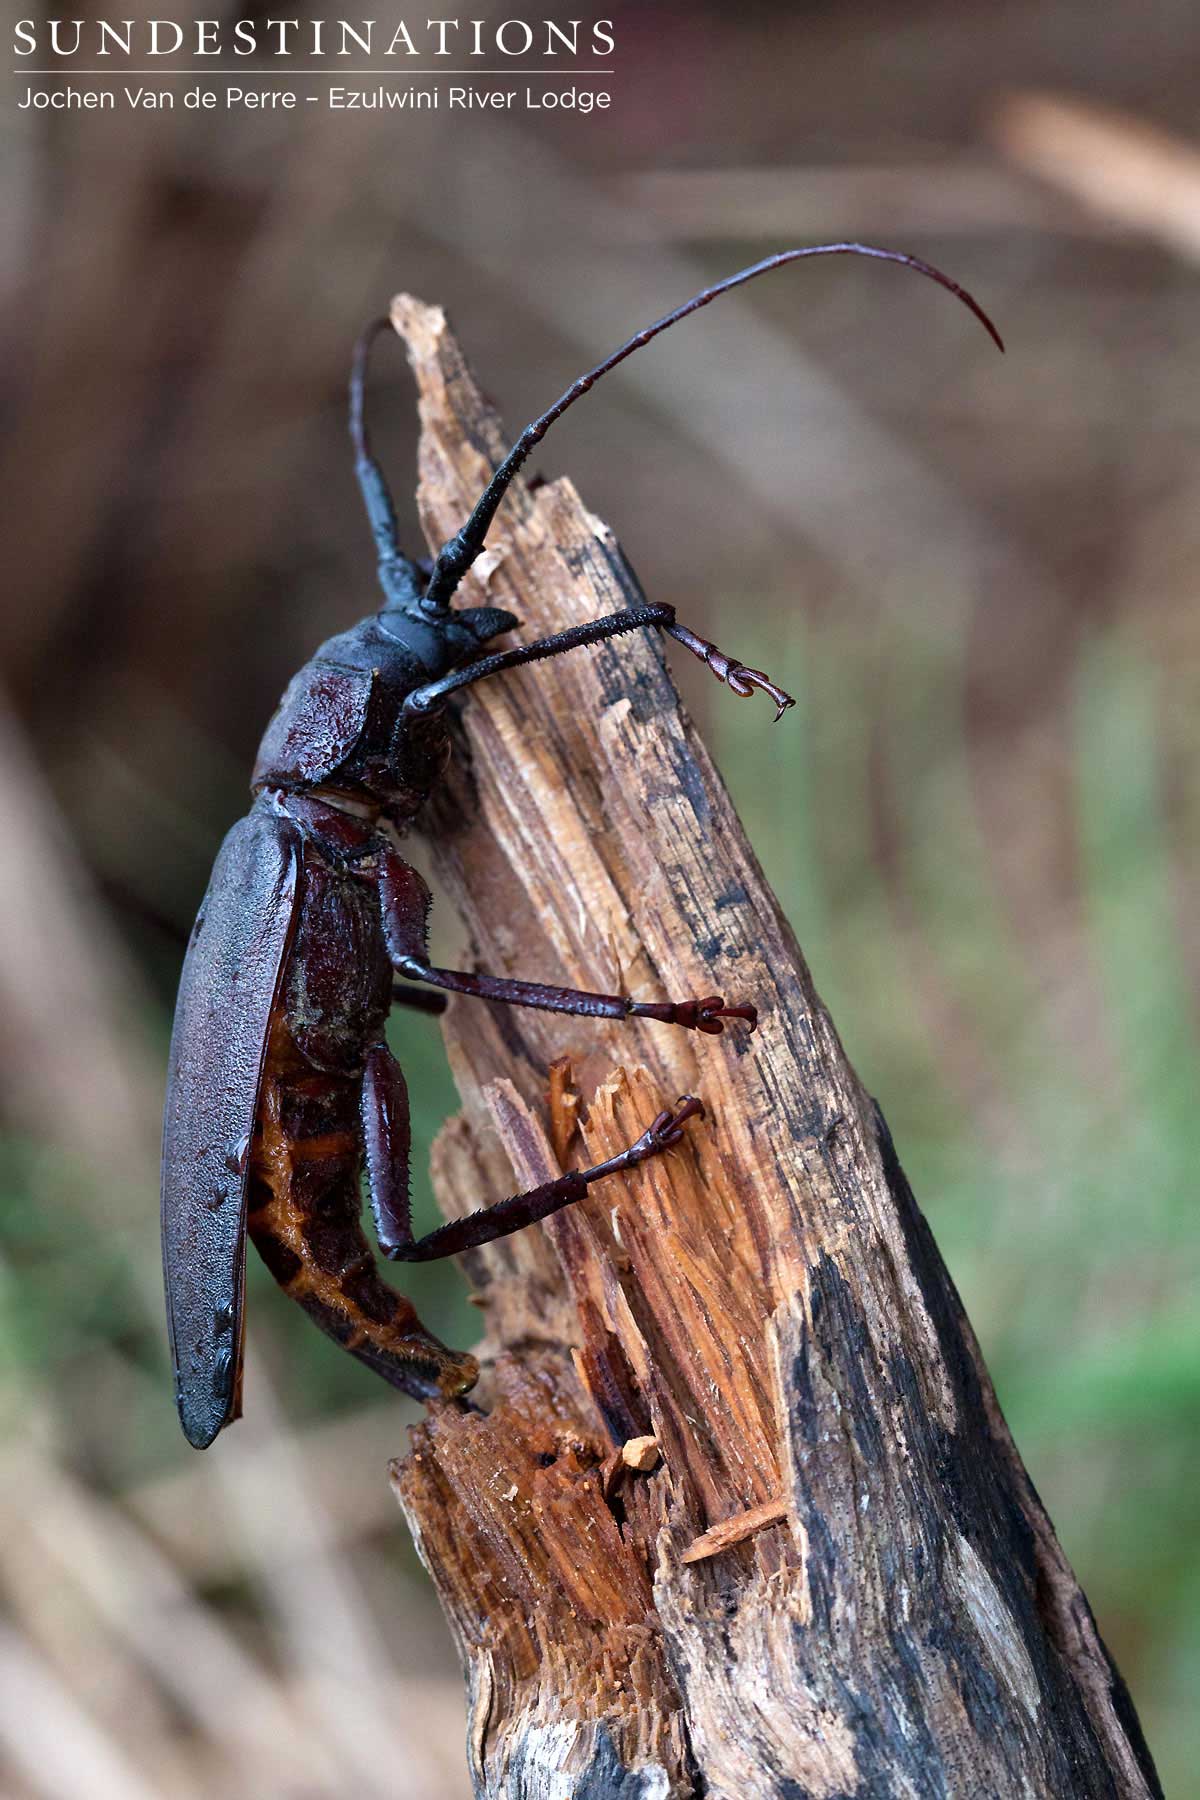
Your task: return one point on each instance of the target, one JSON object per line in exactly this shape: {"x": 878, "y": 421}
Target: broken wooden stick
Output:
{"x": 765, "y": 1300}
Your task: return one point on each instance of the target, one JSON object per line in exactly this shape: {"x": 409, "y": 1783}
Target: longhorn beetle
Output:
{"x": 280, "y": 1082}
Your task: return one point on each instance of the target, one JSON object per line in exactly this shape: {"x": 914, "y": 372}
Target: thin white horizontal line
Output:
{"x": 291, "y": 74}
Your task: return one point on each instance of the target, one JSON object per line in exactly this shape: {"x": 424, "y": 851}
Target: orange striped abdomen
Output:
{"x": 304, "y": 1216}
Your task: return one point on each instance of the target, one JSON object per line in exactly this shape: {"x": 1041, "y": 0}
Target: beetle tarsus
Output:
{"x": 707, "y": 1015}
{"x": 734, "y": 675}
{"x": 667, "y": 1128}
{"x": 663, "y": 1133}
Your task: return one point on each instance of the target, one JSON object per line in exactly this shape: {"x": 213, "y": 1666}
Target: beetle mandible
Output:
{"x": 280, "y": 1083}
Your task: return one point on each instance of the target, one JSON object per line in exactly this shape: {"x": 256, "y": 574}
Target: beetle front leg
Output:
{"x": 735, "y": 675}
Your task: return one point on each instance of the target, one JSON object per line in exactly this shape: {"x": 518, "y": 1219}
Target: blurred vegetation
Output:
{"x": 1073, "y": 1243}
{"x": 977, "y": 575}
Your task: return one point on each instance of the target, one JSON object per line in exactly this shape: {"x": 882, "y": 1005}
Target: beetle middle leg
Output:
{"x": 404, "y": 901}
{"x": 386, "y": 1136}
{"x": 707, "y": 1014}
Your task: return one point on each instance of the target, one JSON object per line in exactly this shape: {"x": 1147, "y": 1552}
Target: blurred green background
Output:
{"x": 978, "y": 575}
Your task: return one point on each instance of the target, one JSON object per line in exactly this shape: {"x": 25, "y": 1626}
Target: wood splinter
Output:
{"x": 728, "y": 1532}
{"x": 563, "y": 1102}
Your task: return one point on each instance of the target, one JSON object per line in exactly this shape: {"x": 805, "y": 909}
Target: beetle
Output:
{"x": 281, "y": 1086}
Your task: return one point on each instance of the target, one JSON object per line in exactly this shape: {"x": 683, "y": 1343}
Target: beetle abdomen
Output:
{"x": 304, "y": 1217}
{"x": 338, "y": 981}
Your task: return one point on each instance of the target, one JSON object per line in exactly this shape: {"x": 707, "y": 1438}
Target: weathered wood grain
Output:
{"x": 766, "y": 1300}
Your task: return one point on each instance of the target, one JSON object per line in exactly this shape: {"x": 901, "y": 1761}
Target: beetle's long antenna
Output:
{"x": 459, "y": 552}
{"x": 399, "y": 575}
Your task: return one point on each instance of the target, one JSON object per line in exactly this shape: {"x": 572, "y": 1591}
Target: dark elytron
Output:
{"x": 281, "y": 1086}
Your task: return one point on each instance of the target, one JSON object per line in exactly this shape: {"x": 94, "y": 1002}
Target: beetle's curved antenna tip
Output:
{"x": 961, "y": 293}
{"x": 911, "y": 262}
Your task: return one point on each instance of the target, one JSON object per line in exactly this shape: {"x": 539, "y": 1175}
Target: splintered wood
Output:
{"x": 735, "y": 1531}
{"x": 764, "y": 1301}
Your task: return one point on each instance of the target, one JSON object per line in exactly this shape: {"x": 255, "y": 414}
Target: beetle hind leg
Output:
{"x": 513, "y": 1214}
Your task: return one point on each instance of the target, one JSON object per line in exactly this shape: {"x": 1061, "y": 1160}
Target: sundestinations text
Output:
{"x": 313, "y": 37}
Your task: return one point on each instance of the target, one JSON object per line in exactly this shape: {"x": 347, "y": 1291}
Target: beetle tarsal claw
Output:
{"x": 711, "y": 1014}
{"x": 667, "y": 1128}
{"x": 740, "y": 680}
{"x": 707, "y": 1015}
{"x": 664, "y": 1131}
